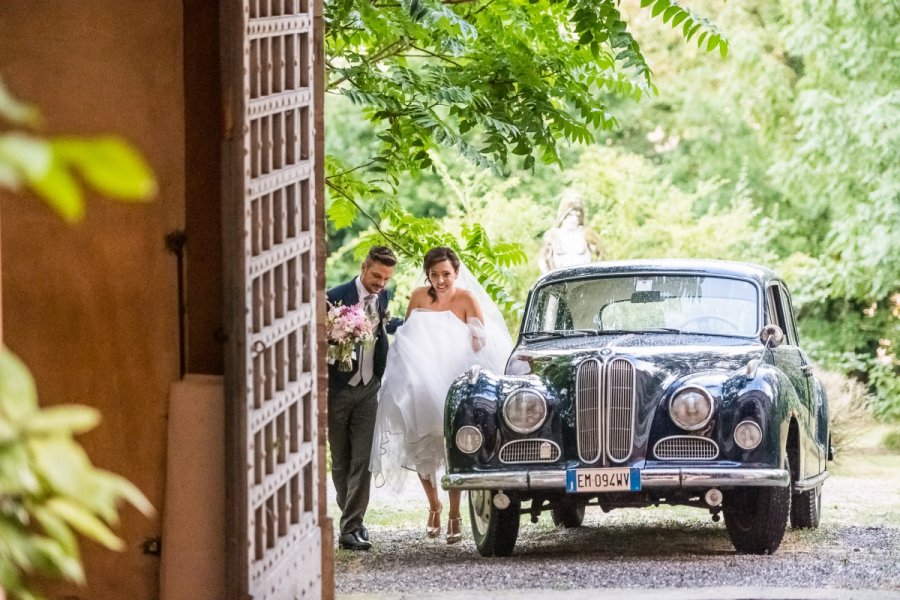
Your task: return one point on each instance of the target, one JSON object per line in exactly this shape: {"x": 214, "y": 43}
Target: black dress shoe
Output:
{"x": 353, "y": 541}
{"x": 363, "y": 532}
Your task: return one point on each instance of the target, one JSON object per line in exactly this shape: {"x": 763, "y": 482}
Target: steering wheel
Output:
{"x": 707, "y": 323}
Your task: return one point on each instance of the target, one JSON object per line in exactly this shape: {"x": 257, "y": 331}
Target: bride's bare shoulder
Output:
{"x": 466, "y": 297}
{"x": 418, "y": 296}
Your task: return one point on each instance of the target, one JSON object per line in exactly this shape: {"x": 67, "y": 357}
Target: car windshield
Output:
{"x": 646, "y": 303}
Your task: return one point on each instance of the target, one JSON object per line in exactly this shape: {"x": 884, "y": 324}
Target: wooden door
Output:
{"x": 269, "y": 234}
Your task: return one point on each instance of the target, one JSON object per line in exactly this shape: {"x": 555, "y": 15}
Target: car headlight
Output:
{"x": 747, "y": 435}
{"x": 469, "y": 439}
{"x": 691, "y": 408}
{"x": 524, "y": 411}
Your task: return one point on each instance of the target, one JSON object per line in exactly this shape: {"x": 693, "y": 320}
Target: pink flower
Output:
{"x": 349, "y": 325}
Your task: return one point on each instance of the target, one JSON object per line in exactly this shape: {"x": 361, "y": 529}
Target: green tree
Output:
{"x": 500, "y": 82}
{"x": 839, "y": 164}
{"x": 802, "y": 120}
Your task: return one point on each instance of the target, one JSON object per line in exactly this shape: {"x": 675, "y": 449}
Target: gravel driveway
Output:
{"x": 857, "y": 547}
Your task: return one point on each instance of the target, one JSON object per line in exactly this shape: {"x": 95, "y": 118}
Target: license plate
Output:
{"x": 603, "y": 480}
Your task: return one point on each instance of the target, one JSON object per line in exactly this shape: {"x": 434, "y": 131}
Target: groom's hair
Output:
{"x": 381, "y": 254}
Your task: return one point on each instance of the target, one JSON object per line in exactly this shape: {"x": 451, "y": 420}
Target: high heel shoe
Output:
{"x": 433, "y": 528}
{"x": 453, "y": 531}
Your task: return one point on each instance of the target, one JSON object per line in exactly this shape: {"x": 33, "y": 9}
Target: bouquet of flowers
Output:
{"x": 345, "y": 327}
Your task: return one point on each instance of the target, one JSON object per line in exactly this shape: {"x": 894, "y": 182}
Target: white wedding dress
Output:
{"x": 430, "y": 350}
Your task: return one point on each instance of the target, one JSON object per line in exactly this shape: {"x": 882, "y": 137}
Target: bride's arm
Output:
{"x": 474, "y": 309}
{"x": 475, "y": 321}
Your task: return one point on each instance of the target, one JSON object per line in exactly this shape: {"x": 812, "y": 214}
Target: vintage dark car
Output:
{"x": 640, "y": 383}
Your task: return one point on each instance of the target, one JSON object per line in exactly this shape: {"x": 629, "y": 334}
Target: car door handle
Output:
{"x": 806, "y": 370}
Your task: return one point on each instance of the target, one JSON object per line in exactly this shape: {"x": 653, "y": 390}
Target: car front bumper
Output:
{"x": 673, "y": 478}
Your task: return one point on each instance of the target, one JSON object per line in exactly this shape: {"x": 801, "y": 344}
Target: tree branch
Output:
{"x": 486, "y": 4}
{"x": 388, "y": 51}
{"x": 340, "y": 191}
{"x": 438, "y": 56}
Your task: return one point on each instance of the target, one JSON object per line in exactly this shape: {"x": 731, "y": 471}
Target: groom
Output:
{"x": 352, "y": 396}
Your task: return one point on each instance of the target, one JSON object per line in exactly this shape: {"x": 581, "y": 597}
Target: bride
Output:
{"x": 445, "y": 333}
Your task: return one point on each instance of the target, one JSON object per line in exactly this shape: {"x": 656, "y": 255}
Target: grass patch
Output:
{"x": 891, "y": 441}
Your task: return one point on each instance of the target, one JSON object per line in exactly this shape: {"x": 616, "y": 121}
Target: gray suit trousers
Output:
{"x": 351, "y": 421}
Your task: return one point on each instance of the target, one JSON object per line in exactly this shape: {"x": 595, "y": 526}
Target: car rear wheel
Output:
{"x": 756, "y": 517}
{"x": 494, "y": 530}
{"x": 568, "y": 513}
{"x": 806, "y": 509}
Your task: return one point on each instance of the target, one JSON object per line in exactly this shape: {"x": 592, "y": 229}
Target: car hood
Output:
{"x": 664, "y": 357}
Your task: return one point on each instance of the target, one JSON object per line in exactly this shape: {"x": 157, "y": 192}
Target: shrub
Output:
{"x": 891, "y": 441}
{"x": 850, "y": 410}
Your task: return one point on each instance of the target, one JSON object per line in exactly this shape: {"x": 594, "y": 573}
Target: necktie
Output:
{"x": 371, "y": 305}
{"x": 367, "y": 353}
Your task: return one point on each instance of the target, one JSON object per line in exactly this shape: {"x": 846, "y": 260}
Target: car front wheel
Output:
{"x": 494, "y": 530}
{"x": 756, "y": 517}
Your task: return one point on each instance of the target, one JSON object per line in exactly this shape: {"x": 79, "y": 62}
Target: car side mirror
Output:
{"x": 771, "y": 336}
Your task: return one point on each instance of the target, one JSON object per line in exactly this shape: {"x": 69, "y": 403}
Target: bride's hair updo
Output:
{"x": 435, "y": 256}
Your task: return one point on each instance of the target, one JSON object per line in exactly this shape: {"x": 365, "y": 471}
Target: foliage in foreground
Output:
{"x": 49, "y": 490}
{"x": 54, "y": 168}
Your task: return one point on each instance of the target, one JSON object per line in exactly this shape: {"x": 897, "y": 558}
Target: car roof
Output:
{"x": 727, "y": 268}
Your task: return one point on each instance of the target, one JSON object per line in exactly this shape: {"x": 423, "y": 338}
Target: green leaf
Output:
{"x": 84, "y": 522}
{"x": 17, "y": 478}
{"x": 57, "y": 529}
{"x": 9, "y": 178}
{"x": 660, "y": 6}
{"x": 51, "y": 556}
{"x": 63, "y": 465}
{"x": 109, "y": 165}
{"x": 26, "y": 154}
{"x": 693, "y": 31}
{"x": 672, "y": 10}
{"x": 63, "y": 419}
{"x": 681, "y": 16}
{"x": 127, "y": 490}
{"x": 61, "y": 192}
{"x": 341, "y": 212}
{"x": 18, "y": 395}
{"x": 15, "y": 112}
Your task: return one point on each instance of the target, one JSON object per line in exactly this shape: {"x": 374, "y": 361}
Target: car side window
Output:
{"x": 789, "y": 314}
{"x": 772, "y": 317}
{"x": 780, "y": 312}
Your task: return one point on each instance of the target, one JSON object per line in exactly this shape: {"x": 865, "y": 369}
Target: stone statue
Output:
{"x": 569, "y": 242}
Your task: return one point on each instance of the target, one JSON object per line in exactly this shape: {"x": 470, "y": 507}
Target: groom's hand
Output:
{"x": 392, "y": 324}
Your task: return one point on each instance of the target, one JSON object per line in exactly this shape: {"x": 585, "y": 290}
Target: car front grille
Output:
{"x": 685, "y": 447}
{"x": 529, "y": 451}
{"x": 604, "y": 400}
